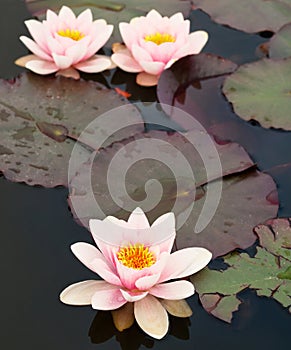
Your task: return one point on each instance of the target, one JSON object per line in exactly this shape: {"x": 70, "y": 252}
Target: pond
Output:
{"x": 38, "y": 227}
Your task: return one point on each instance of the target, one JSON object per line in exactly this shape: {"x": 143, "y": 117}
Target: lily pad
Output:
{"x": 280, "y": 44}
{"x": 190, "y": 71}
{"x": 251, "y": 16}
{"x": 41, "y": 119}
{"x": 261, "y": 91}
{"x": 114, "y": 11}
{"x": 153, "y": 173}
{"x": 268, "y": 272}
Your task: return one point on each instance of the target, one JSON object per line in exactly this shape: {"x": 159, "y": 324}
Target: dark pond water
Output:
{"x": 37, "y": 230}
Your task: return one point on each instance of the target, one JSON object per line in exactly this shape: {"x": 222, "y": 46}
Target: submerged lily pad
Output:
{"x": 156, "y": 177}
{"x": 268, "y": 272}
{"x": 261, "y": 91}
{"x": 280, "y": 44}
{"x": 41, "y": 119}
{"x": 114, "y": 11}
{"x": 251, "y": 16}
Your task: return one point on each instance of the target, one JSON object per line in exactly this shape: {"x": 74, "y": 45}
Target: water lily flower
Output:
{"x": 65, "y": 43}
{"x": 136, "y": 265}
{"x": 153, "y": 43}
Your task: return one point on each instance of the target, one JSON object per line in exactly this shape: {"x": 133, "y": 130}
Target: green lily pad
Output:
{"x": 155, "y": 177}
{"x": 251, "y": 16}
{"x": 113, "y": 12}
{"x": 41, "y": 119}
{"x": 262, "y": 91}
{"x": 280, "y": 44}
{"x": 268, "y": 272}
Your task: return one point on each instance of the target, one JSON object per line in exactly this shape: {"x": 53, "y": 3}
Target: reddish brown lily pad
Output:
{"x": 268, "y": 272}
{"x": 41, "y": 118}
{"x": 156, "y": 178}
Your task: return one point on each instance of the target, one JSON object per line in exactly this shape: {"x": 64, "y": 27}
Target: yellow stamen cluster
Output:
{"x": 159, "y": 38}
{"x": 136, "y": 256}
{"x": 71, "y": 33}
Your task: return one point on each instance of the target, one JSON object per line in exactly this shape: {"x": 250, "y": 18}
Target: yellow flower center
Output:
{"x": 159, "y": 38}
{"x": 71, "y": 33}
{"x": 136, "y": 256}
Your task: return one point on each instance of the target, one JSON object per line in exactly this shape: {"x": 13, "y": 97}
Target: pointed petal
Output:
{"x": 186, "y": 262}
{"x": 126, "y": 62}
{"x": 153, "y": 68}
{"x": 133, "y": 296}
{"x": 123, "y": 318}
{"x": 138, "y": 219}
{"x": 80, "y": 293}
{"x": 173, "y": 290}
{"x": 35, "y": 48}
{"x": 108, "y": 297}
{"x": 63, "y": 62}
{"x": 154, "y": 15}
{"x": 38, "y": 32}
{"x": 94, "y": 65}
{"x": 69, "y": 73}
{"x": 177, "y": 308}
{"x": 95, "y": 261}
{"x": 140, "y": 54}
{"x": 151, "y": 317}
{"x": 41, "y": 67}
{"x": 146, "y": 282}
{"x": 67, "y": 16}
{"x": 196, "y": 42}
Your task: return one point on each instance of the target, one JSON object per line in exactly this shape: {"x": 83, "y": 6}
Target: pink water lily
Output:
{"x": 136, "y": 265}
{"x": 65, "y": 43}
{"x": 153, "y": 43}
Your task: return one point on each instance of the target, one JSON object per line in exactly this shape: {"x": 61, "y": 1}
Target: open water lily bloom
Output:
{"x": 65, "y": 43}
{"x": 153, "y": 43}
{"x": 136, "y": 265}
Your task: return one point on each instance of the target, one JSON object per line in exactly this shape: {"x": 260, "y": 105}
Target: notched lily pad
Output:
{"x": 251, "y": 16}
{"x": 114, "y": 11}
{"x": 261, "y": 91}
{"x": 41, "y": 119}
{"x": 268, "y": 272}
{"x": 156, "y": 178}
{"x": 280, "y": 44}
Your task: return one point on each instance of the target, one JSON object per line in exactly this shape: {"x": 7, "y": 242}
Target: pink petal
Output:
{"x": 195, "y": 43}
{"x": 69, "y": 73}
{"x": 95, "y": 261}
{"x": 35, "y": 48}
{"x": 99, "y": 39}
{"x": 54, "y": 46}
{"x": 173, "y": 290}
{"x": 186, "y": 262}
{"x": 38, "y": 32}
{"x": 41, "y": 67}
{"x": 153, "y": 68}
{"x": 80, "y": 293}
{"x": 51, "y": 22}
{"x": 140, "y": 54}
{"x": 126, "y": 62}
{"x": 129, "y": 276}
{"x": 166, "y": 224}
{"x": 138, "y": 219}
{"x": 146, "y": 79}
{"x": 129, "y": 36}
{"x": 107, "y": 298}
{"x": 84, "y": 17}
{"x": 76, "y": 52}
{"x": 151, "y": 317}
{"x": 61, "y": 61}
{"x": 146, "y": 282}
{"x": 154, "y": 15}
{"x": 67, "y": 17}
{"x": 94, "y": 65}
{"x": 133, "y": 296}
{"x": 177, "y": 18}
